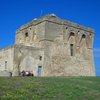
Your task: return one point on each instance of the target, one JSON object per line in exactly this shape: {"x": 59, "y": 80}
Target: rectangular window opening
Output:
{"x": 71, "y": 49}
{"x": 5, "y": 65}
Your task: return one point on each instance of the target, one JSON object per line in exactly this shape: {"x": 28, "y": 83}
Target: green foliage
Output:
{"x": 50, "y": 88}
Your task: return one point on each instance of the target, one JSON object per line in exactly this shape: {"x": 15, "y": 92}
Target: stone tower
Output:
{"x": 67, "y": 47}
{"x": 50, "y": 46}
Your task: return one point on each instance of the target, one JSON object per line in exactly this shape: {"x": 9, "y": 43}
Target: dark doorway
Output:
{"x": 39, "y": 70}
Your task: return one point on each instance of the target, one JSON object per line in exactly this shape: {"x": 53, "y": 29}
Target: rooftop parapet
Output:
{"x": 54, "y": 19}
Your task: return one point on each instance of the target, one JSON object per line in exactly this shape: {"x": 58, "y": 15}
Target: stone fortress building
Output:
{"x": 50, "y": 46}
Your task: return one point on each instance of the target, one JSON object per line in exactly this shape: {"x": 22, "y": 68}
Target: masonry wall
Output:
{"x": 31, "y": 35}
{"x": 57, "y": 54}
{"x": 26, "y": 58}
{"x": 6, "y": 59}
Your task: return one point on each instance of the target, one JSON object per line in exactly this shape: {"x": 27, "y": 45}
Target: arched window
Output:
{"x": 72, "y": 34}
{"x": 83, "y": 36}
{"x": 71, "y": 37}
{"x": 83, "y": 41}
{"x": 40, "y": 58}
{"x": 66, "y": 28}
{"x": 26, "y": 34}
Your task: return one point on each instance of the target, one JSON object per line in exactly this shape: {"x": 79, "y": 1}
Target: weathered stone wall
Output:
{"x": 34, "y": 35}
{"x": 57, "y": 58}
{"x": 6, "y": 59}
{"x": 26, "y": 58}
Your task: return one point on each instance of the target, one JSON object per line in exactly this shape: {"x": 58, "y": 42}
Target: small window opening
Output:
{"x": 78, "y": 31}
{"x": 90, "y": 34}
{"x": 72, "y": 34}
{"x": 84, "y": 36}
{"x": 5, "y": 61}
{"x": 71, "y": 49}
{"x": 5, "y": 65}
{"x": 39, "y": 66}
{"x": 66, "y": 27}
{"x": 26, "y": 34}
{"x": 40, "y": 58}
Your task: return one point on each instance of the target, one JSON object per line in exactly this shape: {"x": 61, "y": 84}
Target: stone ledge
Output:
{"x": 5, "y": 73}
{"x": 56, "y": 20}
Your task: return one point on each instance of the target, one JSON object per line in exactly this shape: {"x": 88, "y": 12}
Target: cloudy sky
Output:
{"x": 14, "y": 13}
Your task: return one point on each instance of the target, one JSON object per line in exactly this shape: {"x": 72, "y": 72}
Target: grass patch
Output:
{"x": 49, "y": 88}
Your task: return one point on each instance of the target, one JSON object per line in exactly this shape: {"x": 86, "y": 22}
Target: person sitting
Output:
{"x": 23, "y": 73}
{"x": 31, "y": 73}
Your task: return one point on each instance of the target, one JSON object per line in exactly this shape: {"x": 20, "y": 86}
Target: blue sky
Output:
{"x": 15, "y": 13}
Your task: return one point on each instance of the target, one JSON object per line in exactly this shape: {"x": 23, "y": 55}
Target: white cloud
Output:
{"x": 96, "y": 49}
{"x": 96, "y": 52}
